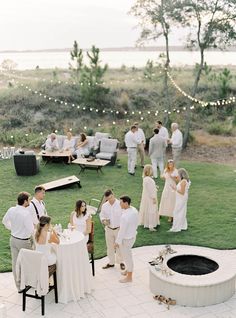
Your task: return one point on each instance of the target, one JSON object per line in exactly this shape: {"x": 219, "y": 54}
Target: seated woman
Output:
{"x": 82, "y": 148}
{"x": 80, "y": 219}
{"x": 44, "y": 236}
{"x": 69, "y": 145}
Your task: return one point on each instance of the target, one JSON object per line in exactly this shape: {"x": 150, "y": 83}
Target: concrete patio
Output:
{"x": 113, "y": 299}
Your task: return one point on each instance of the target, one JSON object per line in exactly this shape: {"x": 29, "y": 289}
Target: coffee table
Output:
{"x": 60, "y": 183}
{"x": 50, "y": 155}
{"x": 86, "y": 163}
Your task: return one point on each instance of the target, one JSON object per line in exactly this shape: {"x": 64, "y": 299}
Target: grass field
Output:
{"x": 211, "y": 207}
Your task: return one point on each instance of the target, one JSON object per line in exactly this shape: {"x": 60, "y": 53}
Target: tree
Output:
{"x": 224, "y": 78}
{"x": 92, "y": 90}
{"x": 211, "y": 24}
{"x": 155, "y": 18}
{"x": 77, "y": 58}
{"x": 94, "y": 72}
{"x": 8, "y": 65}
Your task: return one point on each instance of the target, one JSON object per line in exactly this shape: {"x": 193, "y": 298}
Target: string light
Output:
{"x": 134, "y": 113}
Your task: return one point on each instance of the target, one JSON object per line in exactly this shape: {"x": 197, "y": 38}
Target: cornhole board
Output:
{"x": 61, "y": 183}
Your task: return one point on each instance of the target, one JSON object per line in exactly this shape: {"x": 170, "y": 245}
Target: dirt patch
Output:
{"x": 211, "y": 148}
{"x": 206, "y": 153}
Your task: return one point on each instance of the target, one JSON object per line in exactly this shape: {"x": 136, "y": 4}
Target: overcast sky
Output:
{"x": 46, "y": 24}
{"x": 39, "y": 24}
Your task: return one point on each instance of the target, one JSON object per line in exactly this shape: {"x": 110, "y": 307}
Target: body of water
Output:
{"x": 115, "y": 59}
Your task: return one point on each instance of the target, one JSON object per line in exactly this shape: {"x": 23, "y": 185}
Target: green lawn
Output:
{"x": 211, "y": 209}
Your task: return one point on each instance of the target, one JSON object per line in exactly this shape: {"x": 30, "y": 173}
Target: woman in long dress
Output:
{"x": 80, "y": 219}
{"x": 82, "y": 147}
{"x": 44, "y": 237}
{"x": 148, "y": 211}
{"x": 167, "y": 202}
{"x": 180, "y": 210}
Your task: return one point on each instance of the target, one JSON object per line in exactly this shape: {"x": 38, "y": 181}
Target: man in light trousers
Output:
{"x": 127, "y": 235}
{"x": 110, "y": 216}
{"x": 131, "y": 142}
{"x": 157, "y": 148}
{"x": 140, "y": 147}
{"x": 19, "y": 221}
{"x": 176, "y": 142}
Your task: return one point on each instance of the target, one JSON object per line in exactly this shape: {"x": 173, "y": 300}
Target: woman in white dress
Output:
{"x": 69, "y": 145}
{"x": 180, "y": 210}
{"x": 148, "y": 211}
{"x": 44, "y": 237}
{"x": 80, "y": 219}
{"x": 167, "y": 202}
{"x": 82, "y": 147}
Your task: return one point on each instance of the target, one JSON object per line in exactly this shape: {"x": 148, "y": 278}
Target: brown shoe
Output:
{"x": 108, "y": 266}
{"x": 122, "y": 266}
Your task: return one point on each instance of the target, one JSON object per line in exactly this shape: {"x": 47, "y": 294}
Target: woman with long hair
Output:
{"x": 167, "y": 202}
{"x": 44, "y": 237}
{"x": 82, "y": 148}
{"x": 80, "y": 219}
{"x": 180, "y": 210}
{"x": 148, "y": 211}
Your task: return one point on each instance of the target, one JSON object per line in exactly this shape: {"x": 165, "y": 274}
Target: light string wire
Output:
{"x": 156, "y": 112}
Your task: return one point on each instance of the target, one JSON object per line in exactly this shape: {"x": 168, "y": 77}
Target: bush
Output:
{"x": 219, "y": 129}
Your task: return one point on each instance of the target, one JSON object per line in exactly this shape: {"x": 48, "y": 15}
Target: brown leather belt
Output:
{"x": 115, "y": 228}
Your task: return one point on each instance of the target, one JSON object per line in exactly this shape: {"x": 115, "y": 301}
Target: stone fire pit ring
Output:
{"x": 196, "y": 290}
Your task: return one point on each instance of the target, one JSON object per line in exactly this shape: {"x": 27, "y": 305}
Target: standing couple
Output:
{"x": 121, "y": 221}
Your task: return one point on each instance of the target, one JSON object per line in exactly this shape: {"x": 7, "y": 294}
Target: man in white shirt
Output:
{"x": 110, "y": 217}
{"x": 131, "y": 142}
{"x": 140, "y": 147}
{"x": 163, "y": 132}
{"x": 176, "y": 142}
{"x": 127, "y": 236}
{"x": 37, "y": 206}
{"x": 157, "y": 148}
{"x": 52, "y": 143}
{"x": 19, "y": 221}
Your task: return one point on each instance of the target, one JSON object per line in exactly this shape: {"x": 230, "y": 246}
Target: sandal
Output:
{"x": 169, "y": 302}
{"x": 160, "y": 298}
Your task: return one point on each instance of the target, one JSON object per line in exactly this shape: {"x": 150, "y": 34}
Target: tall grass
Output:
{"x": 129, "y": 91}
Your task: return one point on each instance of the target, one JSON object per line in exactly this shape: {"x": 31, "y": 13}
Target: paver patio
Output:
{"x": 113, "y": 299}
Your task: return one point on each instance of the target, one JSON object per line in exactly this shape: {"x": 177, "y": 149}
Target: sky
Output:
{"x": 50, "y": 24}
{"x": 46, "y": 24}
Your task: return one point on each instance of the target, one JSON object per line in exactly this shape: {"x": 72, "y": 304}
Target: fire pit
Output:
{"x": 201, "y": 276}
{"x": 192, "y": 265}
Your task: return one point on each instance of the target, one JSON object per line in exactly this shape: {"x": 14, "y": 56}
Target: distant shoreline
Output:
{"x": 119, "y": 49}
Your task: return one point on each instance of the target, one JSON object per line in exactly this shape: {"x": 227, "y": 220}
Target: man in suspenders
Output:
{"x": 37, "y": 206}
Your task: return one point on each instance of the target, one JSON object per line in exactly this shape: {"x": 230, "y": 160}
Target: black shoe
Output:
{"x": 132, "y": 174}
{"x": 142, "y": 166}
{"x": 122, "y": 266}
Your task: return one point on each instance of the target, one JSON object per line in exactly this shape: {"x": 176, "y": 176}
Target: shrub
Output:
{"x": 219, "y": 129}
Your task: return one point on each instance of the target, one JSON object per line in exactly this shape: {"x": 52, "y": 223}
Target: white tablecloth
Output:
{"x": 74, "y": 276}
